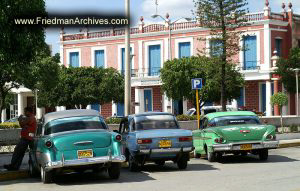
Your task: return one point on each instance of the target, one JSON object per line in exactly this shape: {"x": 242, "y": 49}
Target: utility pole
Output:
{"x": 127, "y": 101}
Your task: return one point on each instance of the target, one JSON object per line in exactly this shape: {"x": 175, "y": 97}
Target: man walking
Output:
{"x": 28, "y": 125}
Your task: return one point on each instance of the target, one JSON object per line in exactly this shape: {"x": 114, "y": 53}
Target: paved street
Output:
{"x": 281, "y": 172}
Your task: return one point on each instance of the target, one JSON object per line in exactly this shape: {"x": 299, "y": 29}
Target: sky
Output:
{"x": 138, "y": 8}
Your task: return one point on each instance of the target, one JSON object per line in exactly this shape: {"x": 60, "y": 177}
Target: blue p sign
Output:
{"x": 197, "y": 83}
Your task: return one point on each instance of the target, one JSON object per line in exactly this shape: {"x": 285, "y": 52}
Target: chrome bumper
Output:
{"x": 166, "y": 150}
{"x": 84, "y": 161}
{"x": 255, "y": 145}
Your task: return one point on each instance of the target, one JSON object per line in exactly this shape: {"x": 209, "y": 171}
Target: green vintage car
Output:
{"x": 74, "y": 140}
{"x": 237, "y": 132}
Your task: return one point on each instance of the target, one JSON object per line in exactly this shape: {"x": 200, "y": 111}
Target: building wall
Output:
{"x": 252, "y": 95}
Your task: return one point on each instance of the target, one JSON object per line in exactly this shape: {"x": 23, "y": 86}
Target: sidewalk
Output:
{"x": 23, "y": 172}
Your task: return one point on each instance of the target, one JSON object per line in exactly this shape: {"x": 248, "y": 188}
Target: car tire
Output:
{"x": 182, "y": 162}
{"x": 132, "y": 164}
{"x": 32, "y": 171}
{"x": 114, "y": 170}
{"x": 46, "y": 176}
{"x": 211, "y": 156}
{"x": 160, "y": 162}
{"x": 263, "y": 154}
{"x": 196, "y": 155}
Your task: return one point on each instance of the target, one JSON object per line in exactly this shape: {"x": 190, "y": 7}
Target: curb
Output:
{"x": 13, "y": 175}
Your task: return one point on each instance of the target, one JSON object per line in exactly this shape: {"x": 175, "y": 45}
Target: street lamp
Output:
{"x": 167, "y": 20}
{"x": 297, "y": 92}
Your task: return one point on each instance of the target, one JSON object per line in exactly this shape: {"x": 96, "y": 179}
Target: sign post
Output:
{"x": 197, "y": 85}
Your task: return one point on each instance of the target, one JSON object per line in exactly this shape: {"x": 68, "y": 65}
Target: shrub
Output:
{"x": 294, "y": 128}
{"x": 113, "y": 120}
{"x": 9, "y": 125}
{"x": 186, "y": 117}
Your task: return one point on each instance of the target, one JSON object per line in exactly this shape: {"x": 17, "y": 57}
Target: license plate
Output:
{"x": 165, "y": 143}
{"x": 246, "y": 147}
{"x": 85, "y": 153}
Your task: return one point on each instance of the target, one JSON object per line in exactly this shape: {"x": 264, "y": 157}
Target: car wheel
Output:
{"x": 160, "y": 162}
{"x": 46, "y": 176}
{"x": 182, "y": 163}
{"x": 196, "y": 155}
{"x": 211, "y": 156}
{"x": 263, "y": 154}
{"x": 132, "y": 163}
{"x": 114, "y": 170}
{"x": 32, "y": 171}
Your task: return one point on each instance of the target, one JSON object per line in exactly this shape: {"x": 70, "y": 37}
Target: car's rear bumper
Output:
{"x": 237, "y": 146}
{"x": 166, "y": 150}
{"x": 84, "y": 161}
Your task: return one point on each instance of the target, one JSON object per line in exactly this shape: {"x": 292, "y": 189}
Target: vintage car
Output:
{"x": 237, "y": 132}
{"x": 74, "y": 140}
{"x": 156, "y": 137}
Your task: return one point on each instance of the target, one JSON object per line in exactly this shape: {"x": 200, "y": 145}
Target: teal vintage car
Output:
{"x": 237, "y": 132}
{"x": 74, "y": 140}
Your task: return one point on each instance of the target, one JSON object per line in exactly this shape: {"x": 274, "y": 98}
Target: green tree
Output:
{"x": 222, "y": 17}
{"x": 78, "y": 87}
{"x": 285, "y": 69}
{"x": 19, "y": 44}
{"x": 176, "y": 76}
{"x": 279, "y": 99}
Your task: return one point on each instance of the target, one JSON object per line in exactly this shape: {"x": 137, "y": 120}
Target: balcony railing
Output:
{"x": 144, "y": 72}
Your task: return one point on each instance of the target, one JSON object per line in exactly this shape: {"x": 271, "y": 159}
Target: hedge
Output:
{"x": 186, "y": 117}
{"x": 9, "y": 125}
{"x": 113, "y": 120}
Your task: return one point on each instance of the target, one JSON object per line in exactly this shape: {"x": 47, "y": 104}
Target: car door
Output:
{"x": 203, "y": 134}
{"x": 34, "y": 151}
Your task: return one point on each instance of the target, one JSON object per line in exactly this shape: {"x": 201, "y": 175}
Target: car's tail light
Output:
{"x": 185, "y": 139}
{"x": 119, "y": 138}
{"x": 49, "y": 144}
{"x": 144, "y": 141}
{"x": 219, "y": 140}
{"x": 271, "y": 137}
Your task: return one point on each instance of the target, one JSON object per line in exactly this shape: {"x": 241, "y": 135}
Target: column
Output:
{"x": 39, "y": 112}
{"x": 57, "y": 108}
{"x": 268, "y": 97}
{"x": 20, "y": 104}
{"x": 139, "y": 98}
{"x": 234, "y": 104}
{"x": 89, "y": 107}
{"x": 3, "y": 115}
{"x": 114, "y": 109}
{"x": 276, "y": 108}
{"x": 167, "y": 104}
{"x": 184, "y": 105}
{"x": 63, "y": 108}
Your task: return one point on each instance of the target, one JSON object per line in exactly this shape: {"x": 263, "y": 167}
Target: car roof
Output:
{"x": 69, "y": 113}
{"x": 229, "y": 113}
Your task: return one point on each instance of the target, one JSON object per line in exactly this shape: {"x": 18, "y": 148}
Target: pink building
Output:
{"x": 267, "y": 32}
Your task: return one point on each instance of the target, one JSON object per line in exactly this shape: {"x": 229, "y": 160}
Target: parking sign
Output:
{"x": 197, "y": 83}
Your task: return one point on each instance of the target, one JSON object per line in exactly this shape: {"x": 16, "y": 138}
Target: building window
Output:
{"x": 154, "y": 60}
{"x": 240, "y": 100}
{"x": 123, "y": 60}
{"x": 216, "y": 47}
{"x": 278, "y": 46}
{"x": 99, "y": 59}
{"x": 184, "y": 49}
{"x": 74, "y": 59}
{"x": 250, "y": 53}
{"x": 148, "y": 100}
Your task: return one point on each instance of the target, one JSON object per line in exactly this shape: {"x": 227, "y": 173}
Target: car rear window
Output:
{"x": 156, "y": 122}
{"x": 234, "y": 120}
{"x": 74, "y": 123}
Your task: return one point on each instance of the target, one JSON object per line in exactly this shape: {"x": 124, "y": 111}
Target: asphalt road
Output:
{"x": 234, "y": 173}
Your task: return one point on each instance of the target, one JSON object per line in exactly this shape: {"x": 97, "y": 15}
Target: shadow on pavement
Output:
{"x": 169, "y": 167}
{"x": 254, "y": 159}
{"x": 20, "y": 181}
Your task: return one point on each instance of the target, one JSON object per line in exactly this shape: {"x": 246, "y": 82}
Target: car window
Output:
{"x": 124, "y": 128}
{"x": 74, "y": 123}
{"x": 236, "y": 120}
{"x": 132, "y": 125}
{"x": 156, "y": 122}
